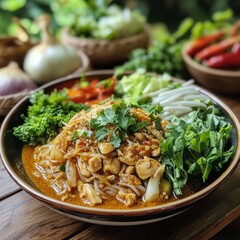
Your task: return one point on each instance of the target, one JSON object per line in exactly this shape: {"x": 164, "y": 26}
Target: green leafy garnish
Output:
{"x": 116, "y": 122}
{"x": 45, "y": 116}
{"x": 82, "y": 132}
{"x": 62, "y": 167}
{"x": 195, "y": 145}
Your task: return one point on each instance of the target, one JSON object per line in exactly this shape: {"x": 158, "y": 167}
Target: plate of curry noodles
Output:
{"x": 120, "y": 149}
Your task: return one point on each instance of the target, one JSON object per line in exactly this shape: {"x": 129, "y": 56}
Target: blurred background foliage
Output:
{"x": 168, "y": 13}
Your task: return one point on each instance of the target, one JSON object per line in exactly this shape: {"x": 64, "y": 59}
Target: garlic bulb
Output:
{"x": 50, "y": 60}
{"x": 14, "y": 80}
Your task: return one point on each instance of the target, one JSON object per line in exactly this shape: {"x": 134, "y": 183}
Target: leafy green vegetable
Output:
{"x": 98, "y": 19}
{"x": 140, "y": 83}
{"x": 82, "y": 132}
{"x": 161, "y": 57}
{"x": 45, "y": 116}
{"x": 164, "y": 55}
{"x": 62, "y": 167}
{"x": 115, "y": 122}
{"x": 195, "y": 145}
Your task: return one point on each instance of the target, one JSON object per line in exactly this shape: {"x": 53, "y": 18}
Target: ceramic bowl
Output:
{"x": 221, "y": 81}
{"x": 13, "y": 163}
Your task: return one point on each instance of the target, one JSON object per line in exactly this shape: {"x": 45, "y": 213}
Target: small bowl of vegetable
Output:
{"x": 198, "y": 137}
{"x": 107, "y": 36}
{"x": 214, "y": 60}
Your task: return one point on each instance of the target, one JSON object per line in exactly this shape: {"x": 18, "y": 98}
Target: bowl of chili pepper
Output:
{"x": 214, "y": 60}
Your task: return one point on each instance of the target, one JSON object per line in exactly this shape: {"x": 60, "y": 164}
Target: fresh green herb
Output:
{"x": 82, "y": 132}
{"x": 98, "y": 19}
{"x": 165, "y": 54}
{"x": 74, "y": 135}
{"x": 83, "y": 82}
{"x": 62, "y": 167}
{"x": 195, "y": 145}
{"x": 105, "y": 83}
{"x": 115, "y": 122}
{"x": 45, "y": 116}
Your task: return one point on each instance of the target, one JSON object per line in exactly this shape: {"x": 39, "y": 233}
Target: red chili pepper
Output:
{"x": 224, "y": 61}
{"x": 217, "y": 48}
{"x": 202, "y": 42}
{"x": 93, "y": 93}
{"x": 236, "y": 47}
{"x": 235, "y": 29}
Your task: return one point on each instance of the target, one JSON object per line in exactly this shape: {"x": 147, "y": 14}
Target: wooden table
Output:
{"x": 23, "y": 217}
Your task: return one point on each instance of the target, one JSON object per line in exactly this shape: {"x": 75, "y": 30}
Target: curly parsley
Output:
{"x": 45, "y": 116}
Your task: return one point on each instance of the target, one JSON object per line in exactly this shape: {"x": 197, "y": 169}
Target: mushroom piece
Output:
{"x": 112, "y": 166}
{"x": 147, "y": 167}
{"x": 94, "y": 164}
{"x": 90, "y": 195}
{"x": 128, "y": 198}
{"x": 105, "y": 147}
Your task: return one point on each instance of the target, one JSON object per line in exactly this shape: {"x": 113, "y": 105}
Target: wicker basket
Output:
{"x": 13, "y": 49}
{"x": 9, "y": 101}
{"x": 106, "y": 53}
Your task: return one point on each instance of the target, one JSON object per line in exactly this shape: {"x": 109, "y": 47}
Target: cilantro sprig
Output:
{"x": 116, "y": 122}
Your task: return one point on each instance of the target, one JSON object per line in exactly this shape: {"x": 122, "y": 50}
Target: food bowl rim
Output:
{"x": 213, "y": 71}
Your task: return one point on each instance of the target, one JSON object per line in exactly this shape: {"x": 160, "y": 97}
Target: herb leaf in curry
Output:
{"x": 45, "y": 116}
{"x": 116, "y": 122}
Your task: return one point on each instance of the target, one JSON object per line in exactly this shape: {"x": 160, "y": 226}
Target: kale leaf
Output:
{"x": 45, "y": 116}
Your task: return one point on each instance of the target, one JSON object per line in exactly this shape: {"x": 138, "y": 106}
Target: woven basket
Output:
{"x": 13, "y": 49}
{"x": 9, "y": 101}
{"x": 106, "y": 53}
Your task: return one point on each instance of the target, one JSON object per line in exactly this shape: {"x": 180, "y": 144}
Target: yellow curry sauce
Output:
{"x": 45, "y": 187}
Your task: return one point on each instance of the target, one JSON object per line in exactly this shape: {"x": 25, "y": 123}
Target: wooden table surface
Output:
{"x": 23, "y": 217}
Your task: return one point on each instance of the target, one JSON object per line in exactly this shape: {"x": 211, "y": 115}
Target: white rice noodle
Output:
{"x": 195, "y": 96}
{"x": 110, "y": 191}
{"x": 88, "y": 154}
{"x": 82, "y": 178}
{"x": 97, "y": 189}
{"x": 141, "y": 188}
{"x": 187, "y": 104}
{"x": 132, "y": 187}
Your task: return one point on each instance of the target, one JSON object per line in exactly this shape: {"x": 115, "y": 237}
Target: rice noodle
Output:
{"x": 132, "y": 187}
{"x": 179, "y": 101}
{"x": 97, "y": 189}
{"x": 79, "y": 168}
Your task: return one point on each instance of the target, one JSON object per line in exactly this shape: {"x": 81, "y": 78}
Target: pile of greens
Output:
{"x": 164, "y": 55}
{"x": 195, "y": 145}
{"x": 141, "y": 83}
{"x": 99, "y": 19}
{"x": 45, "y": 116}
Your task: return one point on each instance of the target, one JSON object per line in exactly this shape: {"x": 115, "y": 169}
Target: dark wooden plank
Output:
{"x": 23, "y": 217}
{"x": 7, "y": 185}
{"x": 232, "y": 102}
{"x": 231, "y": 232}
{"x": 200, "y": 222}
